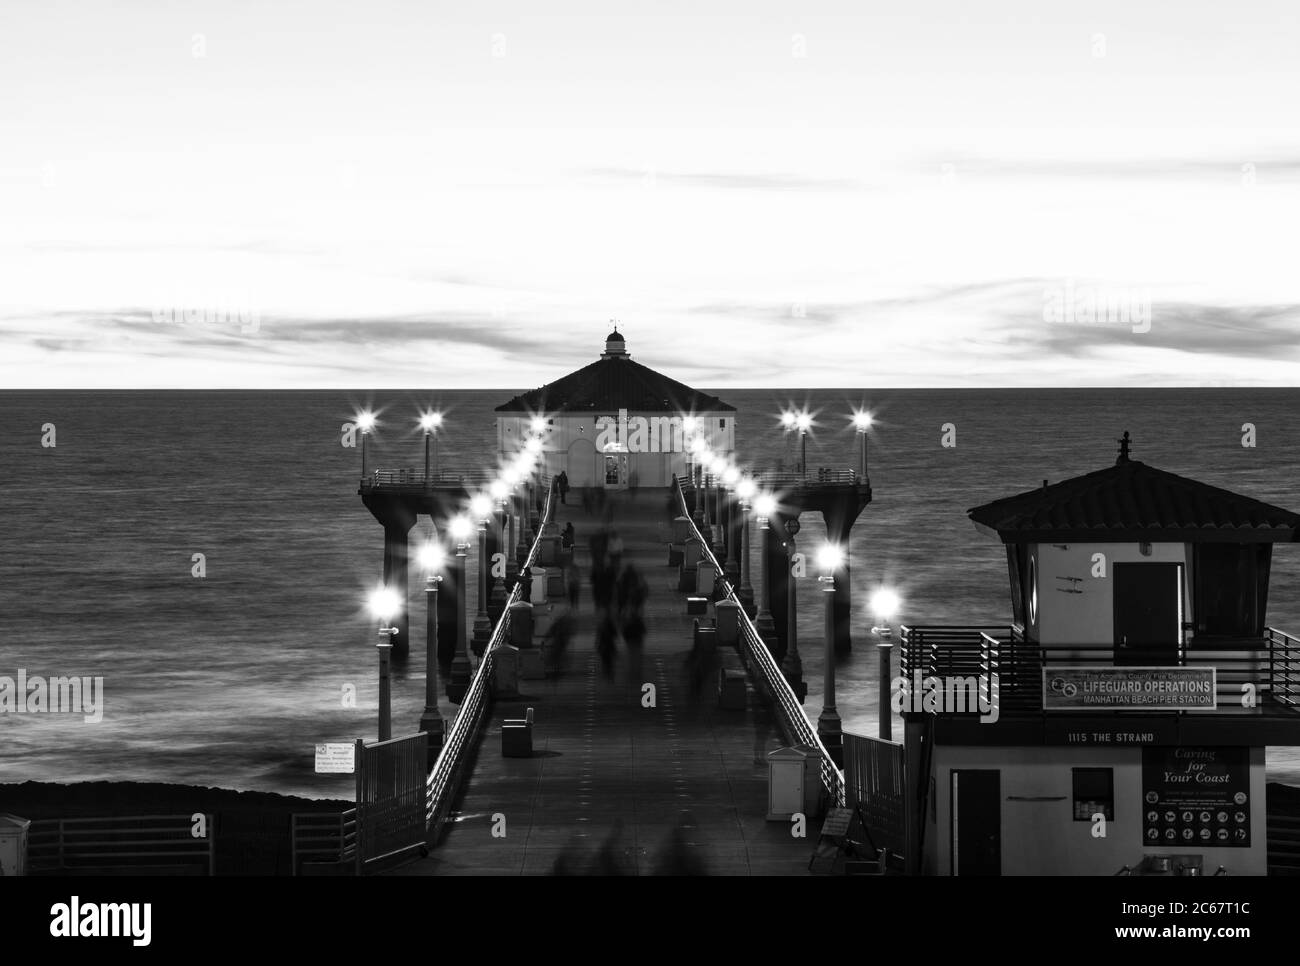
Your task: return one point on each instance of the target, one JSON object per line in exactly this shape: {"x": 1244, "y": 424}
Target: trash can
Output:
{"x": 705, "y": 576}
{"x": 727, "y": 613}
{"x": 691, "y": 554}
{"x": 681, "y": 530}
{"x": 13, "y": 844}
{"x": 538, "y": 594}
{"x": 505, "y": 670}
{"x": 521, "y": 624}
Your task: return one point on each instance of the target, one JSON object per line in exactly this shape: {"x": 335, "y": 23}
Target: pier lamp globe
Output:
{"x": 384, "y": 606}
{"x": 862, "y": 422}
{"x": 534, "y": 446}
{"x": 481, "y": 507}
{"x": 765, "y": 506}
{"x": 746, "y": 488}
{"x": 731, "y": 476}
{"x": 884, "y": 605}
{"x": 537, "y": 424}
{"x": 431, "y": 557}
{"x": 787, "y": 419}
{"x": 830, "y": 558}
{"x": 460, "y": 528}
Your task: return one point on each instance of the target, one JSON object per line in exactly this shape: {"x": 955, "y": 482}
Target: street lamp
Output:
{"x": 862, "y": 422}
{"x": 830, "y": 558}
{"x": 804, "y": 423}
{"x": 429, "y": 422}
{"x": 884, "y": 604}
{"x": 792, "y": 663}
{"x": 481, "y": 508}
{"x": 765, "y": 507}
{"x": 432, "y": 558}
{"x": 384, "y": 605}
{"x": 461, "y": 528}
{"x": 365, "y": 422}
{"x": 727, "y": 519}
{"x": 745, "y": 490}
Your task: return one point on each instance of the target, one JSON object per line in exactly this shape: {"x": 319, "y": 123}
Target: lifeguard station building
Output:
{"x": 1123, "y": 714}
{"x": 616, "y": 423}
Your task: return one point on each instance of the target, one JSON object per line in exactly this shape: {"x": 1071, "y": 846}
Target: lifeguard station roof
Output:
{"x": 1132, "y": 501}
{"x": 615, "y": 382}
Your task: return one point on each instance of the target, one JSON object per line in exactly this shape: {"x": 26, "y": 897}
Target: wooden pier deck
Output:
{"x": 615, "y": 787}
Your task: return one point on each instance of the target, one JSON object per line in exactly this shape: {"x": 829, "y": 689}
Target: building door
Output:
{"x": 976, "y": 822}
{"x": 1148, "y": 612}
{"x": 615, "y": 471}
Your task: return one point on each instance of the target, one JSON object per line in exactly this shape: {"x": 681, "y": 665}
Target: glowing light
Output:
{"x": 717, "y": 466}
{"x": 830, "y": 558}
{"x": 731, "y": 476}
{"x": 746, "y": 489}
{"x": 498, "y": 490}
{"x": 803, "y": 421}
{"x": 366, "y": 420}
{"x": 537, "y": 424}
{"x": 430, "y": 421}
{"x": 788, "y": 419}
{"x": 462, "y": 526}
{"x": 384, "y": 603}
{"x": 511, "y": 476}
{"x": 481, "y": 506}
{"x": 431, "y": 557}
{"x": 698, "y": 445}
{"x": 690, "y": 425}
{"x": 765, "y": 505}
{"x": 534, "y": 446}
{"x": 861, "y": 420}
{"x": 884, "y": 604}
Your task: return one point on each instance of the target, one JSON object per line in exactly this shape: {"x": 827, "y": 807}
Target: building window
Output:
{"x": 1094, "y": 791}
{"x": 722, "y": 424}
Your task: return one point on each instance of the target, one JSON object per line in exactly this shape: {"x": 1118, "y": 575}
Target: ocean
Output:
{"x": 230, "y": 679}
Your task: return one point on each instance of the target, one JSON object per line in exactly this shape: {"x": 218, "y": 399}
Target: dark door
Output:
{"x": 1148, "y": 612}
{"x": 976, "y": 822}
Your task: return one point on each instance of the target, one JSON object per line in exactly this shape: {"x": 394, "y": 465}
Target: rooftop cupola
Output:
{"x": 615, "y": 346}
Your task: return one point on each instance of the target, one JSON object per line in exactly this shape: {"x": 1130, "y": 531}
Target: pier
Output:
{"x": 612, "y": 777}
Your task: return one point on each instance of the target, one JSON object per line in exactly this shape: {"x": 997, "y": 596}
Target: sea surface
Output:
{"x": 230, "y": 679}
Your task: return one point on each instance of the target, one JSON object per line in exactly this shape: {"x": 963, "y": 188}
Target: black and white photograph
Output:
{"x": 827, "y": 440}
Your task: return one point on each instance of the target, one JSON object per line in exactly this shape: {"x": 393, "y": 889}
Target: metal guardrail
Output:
{"x": 795, "y": 725}
{"x": 786, "y": 479}
{"x": 1269, "y": 664}
{"x": 444, "y": 778}
{"x": 122, "y": 843}
{"x": 323, "y": 837}
{"x": 416, "y": 478}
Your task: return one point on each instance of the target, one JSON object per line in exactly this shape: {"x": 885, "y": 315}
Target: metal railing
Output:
{"x": 444, "y": 778}
{"x": 122, "y": 843}
{"x": 416, "y": 478}
{"x": 795, "y": 726}
{"x": 1267, "y": 666}
{"x": 323, "y": 837}
{"x": 774, "y": 479}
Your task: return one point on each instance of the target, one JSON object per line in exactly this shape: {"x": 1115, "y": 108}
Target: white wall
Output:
{"x": 1042, "y": 838}
{"x": 1088, "y": 616}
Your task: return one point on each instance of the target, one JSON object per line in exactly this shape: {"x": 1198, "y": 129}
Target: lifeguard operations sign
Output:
{"x": 1129, "y": 689}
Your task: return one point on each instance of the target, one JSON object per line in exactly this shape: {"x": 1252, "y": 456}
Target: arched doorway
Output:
{"x": 582, "y": 463}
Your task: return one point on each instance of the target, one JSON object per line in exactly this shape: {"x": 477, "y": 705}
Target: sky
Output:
{"x": 239, "y": 194}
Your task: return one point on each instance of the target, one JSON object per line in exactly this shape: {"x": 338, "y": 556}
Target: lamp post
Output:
{"x": 498, "y": 492}
{"x": 731, "y": 564}
{"x": 862, "y": 422}
{"x": 787, "y": 424}
{"x": 365, "y": 422}
{"x": 432, "y": 558}
{"x": 481, "y": 508}
{"x": 828, "y": 722}
{"x": 429, "y": 422}
{"x": 765, "y": 506}
{"x": 804, "y": 421}
{"x": 884, "y": 603}
{"x": 458, "y": 682}
{"x": 383, "y": 605}
{"x": 792, "y": 663}
{"x": 745, "y": 490}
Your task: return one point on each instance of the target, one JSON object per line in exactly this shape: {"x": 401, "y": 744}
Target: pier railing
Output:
{"x": 794, "y": 723}
{"x": 1008, "y": 667}
{"x": 458, "y": 746}
{"x": 783, "y": 479}
{"x": 411, "y": 478}
{"x": 123, "y": 845}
